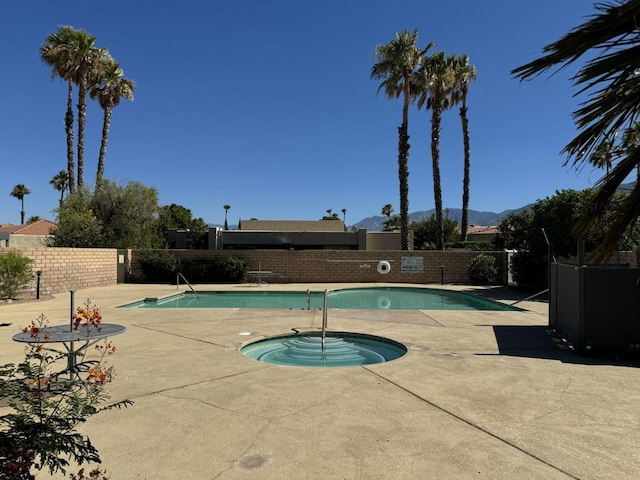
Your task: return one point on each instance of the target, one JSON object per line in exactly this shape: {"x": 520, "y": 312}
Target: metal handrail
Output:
{"x": 324, "y": 317}
{"x": 185, "y": 281}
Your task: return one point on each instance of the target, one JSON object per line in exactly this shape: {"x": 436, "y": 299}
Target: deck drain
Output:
{"x": 254, "y": 461}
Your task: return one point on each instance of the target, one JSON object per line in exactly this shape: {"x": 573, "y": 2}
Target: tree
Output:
{"x": 77, "y": 225}
{"x": 344, "y": 217}
{"x": 109, "y": 87}
{"x": 610, "y": 39}
{"x": 434, "y": 82}
{"x": 57, "y": 53}
{"x": 60, "y": 182}
{"x": 427, "y": 231}
{"x": 177, "y": 217}
{"x": 331, "y": 215}
{"x": 226, "y": 209}
{"x": 128, "y": 214}
{"x": 387, "y": 210}
{"x": 73, "y": 56}
{"x": 113, "y": 216}
{"x": 20, "y": 191}
{"x": 557, "y": 214}
{"x": 464, "y": 75}
{"x": 33, "y": 219}
{"x": 395, "y": 65}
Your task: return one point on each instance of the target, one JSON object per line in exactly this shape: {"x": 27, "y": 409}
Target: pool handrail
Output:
{"x": 324, "y": 317}
{"x": 185, "y": 281}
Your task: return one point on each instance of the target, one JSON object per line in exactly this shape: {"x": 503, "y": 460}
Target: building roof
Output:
{"x": 293, "y": 225}
{"x": 478, "y": 229}
{"x": 39, "y": 227}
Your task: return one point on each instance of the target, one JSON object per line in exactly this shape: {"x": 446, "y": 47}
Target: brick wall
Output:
{"x": 290, "y": 266}
{"x": 65, "y": 269}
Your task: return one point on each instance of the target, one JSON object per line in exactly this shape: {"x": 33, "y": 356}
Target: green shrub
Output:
{"x": 15, "y": 273}
{"x": 529, "y": 270}
{"x": 215, "y": 270}
{"x": 482, "y": 270}
{"x": 159, "y": 266}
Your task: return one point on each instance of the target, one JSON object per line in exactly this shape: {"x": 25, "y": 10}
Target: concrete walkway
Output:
{"x": 479, "y": 395}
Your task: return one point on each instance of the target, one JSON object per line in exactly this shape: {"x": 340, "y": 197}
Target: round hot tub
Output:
{"x": 340, "y": 349}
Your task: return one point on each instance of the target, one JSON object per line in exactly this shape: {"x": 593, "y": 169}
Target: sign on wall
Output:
{"x": 412, "y": 264}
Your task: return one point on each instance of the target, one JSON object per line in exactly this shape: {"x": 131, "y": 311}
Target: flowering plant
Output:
{"x": 46, "y": 405}
{"x": 87, "y": 315}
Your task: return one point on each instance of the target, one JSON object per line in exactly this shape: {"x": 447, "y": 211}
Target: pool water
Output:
{"x": 378, "y": 298}
{"x": 340, "y": 350}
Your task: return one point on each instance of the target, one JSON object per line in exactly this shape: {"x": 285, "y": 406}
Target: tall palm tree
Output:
{"x": 434, "y": 82}
{"x": 73, "y": 55}
{"x": 464, "y": 75}
{"x": 610, "y": 38}
{"x": 56, "y": 53}
{"x": 60, "y": 182}
{"x": 20, "y": 191}
{"x": 226, "y": 209}
{"x": 395, "y": 65}
{"x": 109, "y": 87}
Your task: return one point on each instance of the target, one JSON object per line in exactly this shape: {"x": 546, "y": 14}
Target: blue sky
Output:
{"x": 267, "y": 105}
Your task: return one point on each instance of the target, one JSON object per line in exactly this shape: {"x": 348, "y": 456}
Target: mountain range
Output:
{"x": 376, "y": 223}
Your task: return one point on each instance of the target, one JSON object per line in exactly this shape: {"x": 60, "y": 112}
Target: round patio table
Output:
{"x": 74, "y": 341}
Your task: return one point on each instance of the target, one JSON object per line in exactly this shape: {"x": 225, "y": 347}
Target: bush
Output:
{"x": 159, "y": 266}
{"x": 529, "y": 270}
{"x": 15, "y": 273}
{"x": 482, "y": 270}
{"x": 216, "y": 270}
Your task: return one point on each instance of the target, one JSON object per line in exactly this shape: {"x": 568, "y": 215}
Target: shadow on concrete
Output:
{"x": 507, "y": 294}
{"x": 539, "y": 341}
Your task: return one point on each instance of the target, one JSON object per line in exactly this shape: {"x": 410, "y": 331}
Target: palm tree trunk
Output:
{"x": 436, "y": 117}
{"x": 403, "y": 176}
{"x": 68, "y": 124}
{"x": 82, "y": 118}
{"x": 403, "y": 167}
{"x": 467, "y": 172}
{"x": 106, "y": 124}
{"x": 22, "y": 211}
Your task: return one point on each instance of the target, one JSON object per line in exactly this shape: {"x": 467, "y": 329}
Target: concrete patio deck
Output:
{"x": 479, "y": 395}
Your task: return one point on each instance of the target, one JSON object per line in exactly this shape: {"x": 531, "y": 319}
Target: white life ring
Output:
{"x": 384, "y": 267}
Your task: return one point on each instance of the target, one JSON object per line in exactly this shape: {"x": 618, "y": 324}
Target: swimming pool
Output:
{"x": 378, "y": 298}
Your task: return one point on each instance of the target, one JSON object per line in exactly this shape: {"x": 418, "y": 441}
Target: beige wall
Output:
{"x": 17, "y": 240}
{"x": 290, "y": 266}
{"x": 65, "y": 269}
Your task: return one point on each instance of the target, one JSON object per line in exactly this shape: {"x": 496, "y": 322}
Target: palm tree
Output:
{"x": 226, "y": 209}
{"x": 464, "y": 74}
{"x": 344, "y": 217}
{"x": 396, "y": 63}
{"x": 610, "y": 39}
{"x": 60, "y": 182}
{"x": 434, "y": 82}
{"x": 19, "y": 191}
{"x": 109, "y": 87}
{"x": 73, "y": 56}
{"x": 387, "y": 210}
{"x": 56, "y": 53}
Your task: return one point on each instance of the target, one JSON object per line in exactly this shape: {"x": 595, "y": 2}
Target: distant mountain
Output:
{"x": 376, "y": 223}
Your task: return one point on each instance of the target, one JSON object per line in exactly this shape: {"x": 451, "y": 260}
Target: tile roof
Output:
{"x": 39, "y": 227}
